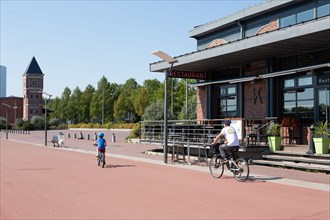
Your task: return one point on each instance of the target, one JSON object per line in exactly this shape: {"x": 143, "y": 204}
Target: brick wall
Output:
{"x": 12, "y": 101}
{"x": 254, "y": 94}
{"x": 201, "y": 103}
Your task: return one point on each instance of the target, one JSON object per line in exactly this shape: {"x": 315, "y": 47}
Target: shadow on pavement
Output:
{"x": 263, "y": 179}
{"x": 118, "y": 166}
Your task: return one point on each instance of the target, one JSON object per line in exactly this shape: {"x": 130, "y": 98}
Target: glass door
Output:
{"x": 324, "y": 104}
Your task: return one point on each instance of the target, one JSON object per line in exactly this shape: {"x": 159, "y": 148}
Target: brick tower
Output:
{"x": 33, "y": 83}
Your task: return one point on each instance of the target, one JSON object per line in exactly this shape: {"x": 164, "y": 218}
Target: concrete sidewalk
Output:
{"x": 136, "y": 152}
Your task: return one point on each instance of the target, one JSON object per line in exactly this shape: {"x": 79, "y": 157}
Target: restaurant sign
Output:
{"x": 187, "y": 74}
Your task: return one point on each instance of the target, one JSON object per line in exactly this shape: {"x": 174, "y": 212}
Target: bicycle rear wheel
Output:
{"x": 216, "y": 166}
{"x": 241, "y": 169}
{"x": 102, "y": 159}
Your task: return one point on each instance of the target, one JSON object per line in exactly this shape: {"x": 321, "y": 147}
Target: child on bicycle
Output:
{"x": 101, "y": 143}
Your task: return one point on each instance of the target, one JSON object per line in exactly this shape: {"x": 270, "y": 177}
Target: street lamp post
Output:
{"x": 171, "y": 61}
{"x": 8, "y": 106}
{"x": 46, "y": 114}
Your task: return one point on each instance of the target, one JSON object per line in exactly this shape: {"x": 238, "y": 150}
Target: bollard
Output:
{"x": 88, "y": 137}
{"x": 74, "y": 135}
{"x": 113, "y": 137}
{"x": 311, "y": 142}
{"x": 68, "y": 135}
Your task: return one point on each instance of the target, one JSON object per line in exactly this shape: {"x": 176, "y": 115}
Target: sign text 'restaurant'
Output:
{"x": 186, "y": 74}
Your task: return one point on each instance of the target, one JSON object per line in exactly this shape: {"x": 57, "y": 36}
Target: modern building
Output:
{"x": 3, "y": 81}
{"x": 269, "y": 61}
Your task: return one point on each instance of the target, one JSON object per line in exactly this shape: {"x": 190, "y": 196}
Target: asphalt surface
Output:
{"x": 39, "y": 182}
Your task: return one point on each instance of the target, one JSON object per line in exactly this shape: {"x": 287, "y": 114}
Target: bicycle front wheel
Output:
{"x": 216, "y": 166}
{"x": 241, "y": 170}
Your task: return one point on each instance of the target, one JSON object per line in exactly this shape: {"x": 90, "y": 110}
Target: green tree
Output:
{"x": 74, "y": 110}
{"x": 86, "y": 99}
{"x": 65, "y": 98}
{"x": 124, "y": 105}
{"x": 54, "y": 105}
{"x": 141, "y": 102}
{"x": 192, "y": 109}
{"x": 101, "y": 101}
{"x": 155, "y": 111}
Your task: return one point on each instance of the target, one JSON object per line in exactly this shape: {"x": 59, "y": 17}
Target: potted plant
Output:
{"x": 321, "y": 137}
{"x": 274, "y": 138}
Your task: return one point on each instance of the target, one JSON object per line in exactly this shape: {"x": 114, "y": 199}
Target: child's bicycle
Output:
{"x": 238, "y": 166}
{"x": 100, "y": 158}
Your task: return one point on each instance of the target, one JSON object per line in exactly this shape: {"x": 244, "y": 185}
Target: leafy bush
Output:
{"x": 38, "y": 122}
{"x": 27, "y": 126}
{"x": 155, "y": 111}
{"x": 55, "y": 122}
{"x": 135, "y": 133}
{"x": 2, "y": 123}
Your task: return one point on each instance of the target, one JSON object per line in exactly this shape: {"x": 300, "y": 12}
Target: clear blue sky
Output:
{"x": 77, "y": 42}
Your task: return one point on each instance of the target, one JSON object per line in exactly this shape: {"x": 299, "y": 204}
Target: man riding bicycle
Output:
{"x": 231, "y": 139}
{"x": 101, "y": 144}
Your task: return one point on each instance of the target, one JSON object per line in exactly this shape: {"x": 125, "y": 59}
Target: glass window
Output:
{"x": 287, "y": 21}
{"x": 289, "y": 96}
{"x": 298, "y": 100}
{"x": 232, "y": 90}
{"x": 227, "y": 102}
{"x": 288, "y": 83}
{"x": 307, "y": 94}
{"x": 305, "y": 81}
{"x": 288, "y": 107}
{"x": 305, "y": 16}
{"x": 324, "y": 8}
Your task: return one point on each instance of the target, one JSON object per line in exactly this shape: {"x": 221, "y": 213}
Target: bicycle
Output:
{"x": 238, "y": 166}
{"x": 101, "y": 159}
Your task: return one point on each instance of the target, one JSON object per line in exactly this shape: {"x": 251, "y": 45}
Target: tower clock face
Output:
{"x": 34, "y": 83}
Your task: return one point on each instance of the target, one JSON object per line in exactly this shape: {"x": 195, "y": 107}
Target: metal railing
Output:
{"x": 253, "y": 132}
{"x": 192, "y": 131}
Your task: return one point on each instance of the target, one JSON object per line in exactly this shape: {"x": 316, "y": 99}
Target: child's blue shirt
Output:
{"x": 101, "y": 143}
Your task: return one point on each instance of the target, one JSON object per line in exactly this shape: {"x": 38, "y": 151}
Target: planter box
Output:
{"x": 274, "y": 143}
{"x": 321, "y": 145}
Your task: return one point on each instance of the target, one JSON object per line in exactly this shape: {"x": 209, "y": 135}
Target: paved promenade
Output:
{"x": 39, "y": 182}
